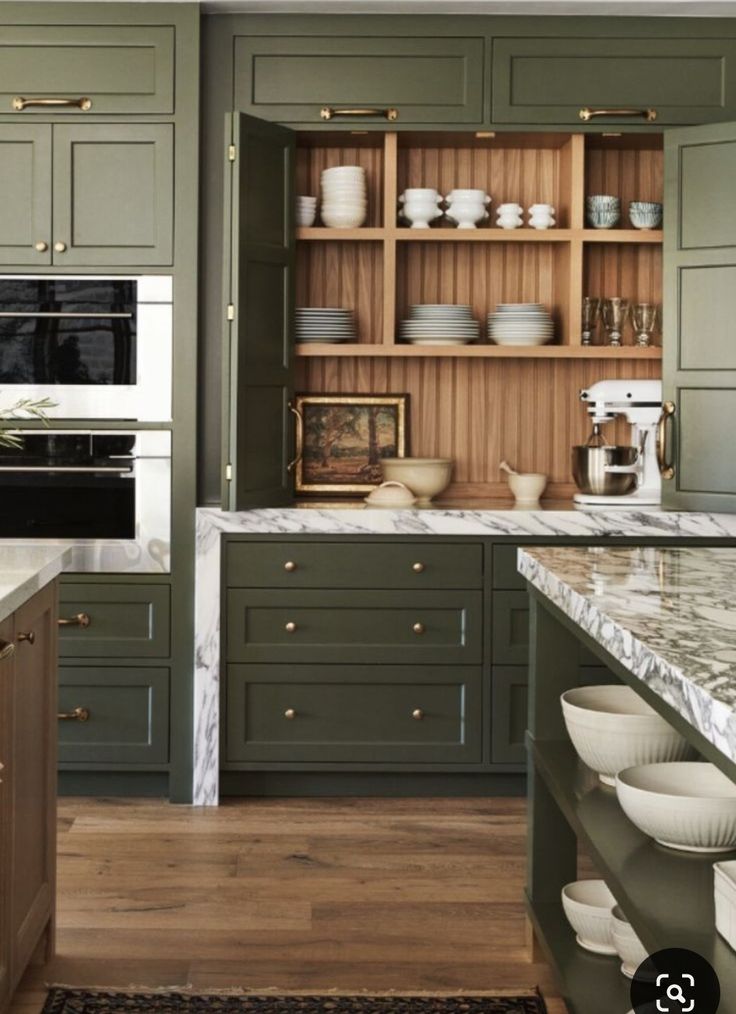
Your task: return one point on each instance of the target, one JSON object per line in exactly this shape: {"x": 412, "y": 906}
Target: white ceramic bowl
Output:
{"x": 527, "y": 487}
{"x": 425, "y": 477}
{"x": 335, "y": 219}
{"x": 305, "y": 218}
{"x": 688, "y": 805}
{"x": 588, "y": 905}
{"x": 628, "y": 945}
{"x": 612, "y": 728}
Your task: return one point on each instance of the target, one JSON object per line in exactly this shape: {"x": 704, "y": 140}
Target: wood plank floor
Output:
{"x": 300, "y": 894}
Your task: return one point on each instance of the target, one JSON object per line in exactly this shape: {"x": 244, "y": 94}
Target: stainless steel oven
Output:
{"x": 105, "y": 493}
{"x": 99, "y": 347}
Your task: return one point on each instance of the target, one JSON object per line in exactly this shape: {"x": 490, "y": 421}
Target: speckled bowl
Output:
{"x": 645, "y": 214}
{"x": 603, "y": 218}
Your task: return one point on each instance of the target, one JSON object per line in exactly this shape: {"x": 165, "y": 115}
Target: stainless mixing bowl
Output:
{"x": 588, "y": 470}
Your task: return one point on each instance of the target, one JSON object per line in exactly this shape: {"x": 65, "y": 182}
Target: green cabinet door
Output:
{"x": 509, "y": 707}
{"x": 118, "y": 620}
{"x": 549, "y": 80}
{"x": 699, "y": 366}
{"x": 7, "y": 694}
{"x": 113, "y": 194}
{"x": 257, "y": 358}
{"x": 424, "y": 79}
{"x": 25, "y": 194}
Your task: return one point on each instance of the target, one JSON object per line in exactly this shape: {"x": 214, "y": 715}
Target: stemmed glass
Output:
{"x": 591, "y": 310}
{"x": 644, "y": 317}
{"x": 615, "y": 310}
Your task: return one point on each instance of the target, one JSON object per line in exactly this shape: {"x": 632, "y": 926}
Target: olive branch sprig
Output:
{"x": 24, "y": 408}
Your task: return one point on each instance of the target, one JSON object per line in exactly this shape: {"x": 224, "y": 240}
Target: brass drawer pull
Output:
{"x": 290, "y": 713}
{"x": 586, "y": 113}
{"x": 80, "y": 620}
{"x": 30, "y": 636}
{"x": 78, "y": 715}
{"x": 418, "y": 568}
{"x": 329, "y": 112}
{"x": 417, "y": 714}
{"x": 290, "y": 566}
{"x": 418, "y": 628}
{"x": 290, "y": 627}
{"x": 83, "y": 103}
{"x": 7, "y": 649}
{"x": 666, "y": 466}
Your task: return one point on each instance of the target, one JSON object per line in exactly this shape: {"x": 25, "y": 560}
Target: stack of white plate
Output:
{"x": 344, "y": 197}
{"x": 439, "y": 324}
{"x": 520, "y": 324}
{"x": 328, "y": 324}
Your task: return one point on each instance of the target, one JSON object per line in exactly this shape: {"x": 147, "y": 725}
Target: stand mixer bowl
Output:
{"x": 588, "y": 470}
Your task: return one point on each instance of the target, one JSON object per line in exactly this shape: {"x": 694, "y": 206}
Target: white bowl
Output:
{"x": 628, "y": 945}
{"x": 588, "y": 905}
{"x": 335, "y": 219}
{"x": 724, "y": 889}
{"x": 305, "y": 218}
{"x": 391, "y": 494}
{"x": 689, "y": 805}
{"x": 425, "y": 477}
{"x": 612, "y": 728}
{"x": 527, "y": 487}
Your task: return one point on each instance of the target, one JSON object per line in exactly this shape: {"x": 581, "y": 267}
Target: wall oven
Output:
{"x": 105, "y": 493}
{"x": 99, "y": 347}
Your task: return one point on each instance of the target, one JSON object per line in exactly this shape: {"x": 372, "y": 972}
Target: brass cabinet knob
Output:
{"x": 290, "y": 566}
{"x": 418, "y": 628}
{"x": 7, "y": 648}
{"x": 417, "y": 714}
{"x": 290, "y": 627}
{"x": 418, "y": 568}
{"x": 290, "y": 713}
{"x": 30, "y": 636}
{"x": 60, "y": 247}
{"x": 41, "y": 247}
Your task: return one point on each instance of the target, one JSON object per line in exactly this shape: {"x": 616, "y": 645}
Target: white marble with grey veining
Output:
{"x": 355, "y": 519}
{"x": 667, "y": 614}
{"x": 25, "y": 569}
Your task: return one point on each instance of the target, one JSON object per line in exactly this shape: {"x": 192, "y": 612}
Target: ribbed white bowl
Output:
{"x": 612, "y": 728}
{"x": 588, "y": 905}
{"x": 630, "y": 948}
{"x": 688, "y": 805}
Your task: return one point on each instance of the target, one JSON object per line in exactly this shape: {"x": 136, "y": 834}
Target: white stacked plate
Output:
{"x": 328, "y": 324}
{"x": 520, "y": 324}
{"x": 439, "y": 324}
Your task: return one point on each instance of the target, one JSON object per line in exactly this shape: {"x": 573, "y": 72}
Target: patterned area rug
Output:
{"x": 75, "y": 1001}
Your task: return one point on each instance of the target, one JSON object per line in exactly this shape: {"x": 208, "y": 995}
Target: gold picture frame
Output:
{"x": 340, "y": 439}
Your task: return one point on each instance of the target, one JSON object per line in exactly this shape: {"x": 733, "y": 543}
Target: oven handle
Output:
{"x": 78, "y": 469}
{"x": 33, "y": 314}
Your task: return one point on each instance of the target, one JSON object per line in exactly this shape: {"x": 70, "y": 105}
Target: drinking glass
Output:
{"x": 615, "y": 310}
{"x": 591, "y": 310}
{"x": 644, "y": 318}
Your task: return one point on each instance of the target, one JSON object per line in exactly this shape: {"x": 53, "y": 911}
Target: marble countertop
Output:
{"x": 25, "y": 568}
{"x": 668, "y": 615}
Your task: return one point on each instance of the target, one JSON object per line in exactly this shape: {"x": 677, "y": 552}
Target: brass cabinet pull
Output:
{"x": 666, "y": 466}
{"x": 418, "y": 628}
{"x": 418, "y": 568}
{"x": 80, "y": 620}
{"x": 41, "y": 246}
{"x": 30, "y": 636}
{"x": 290, "y": 627}
{"x": 290, "y": 566}
{"x": 78, "y": 715}
{"x": 329, "y": 112}
{"x": 7, "y": 648}
{"x": 290, "y": 713}
{"x": 586, "y": 113}
{"x": 84, "y": 103}
{"x": 59, "y": 246}
{"x": 299, "y": 437}
{"x": 417, "y": 714}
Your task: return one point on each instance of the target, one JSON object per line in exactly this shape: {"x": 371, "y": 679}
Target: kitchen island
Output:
{"x": 662, "y": 620}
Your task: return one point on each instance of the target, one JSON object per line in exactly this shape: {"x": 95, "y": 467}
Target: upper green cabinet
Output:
{"x": 96, "y": 69}
{"x": 25, "y": 193}
{"x": 423, "y": 79}
{"x": 551, "y": 80}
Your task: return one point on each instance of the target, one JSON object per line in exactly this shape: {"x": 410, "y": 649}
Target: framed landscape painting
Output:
{"x": 340, "y": 440}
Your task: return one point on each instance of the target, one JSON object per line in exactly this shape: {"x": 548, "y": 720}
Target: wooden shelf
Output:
{"x": 487, "y": 235}
{"x": 621, "y": 235}
{"x": 480, "y": 351}
{"x": 316, "y": 233}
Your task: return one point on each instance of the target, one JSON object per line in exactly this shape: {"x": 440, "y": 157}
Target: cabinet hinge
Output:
{"x": 228, "y": 473}
{"x": 231, "y": 153}
{"x": 230, "y": 311}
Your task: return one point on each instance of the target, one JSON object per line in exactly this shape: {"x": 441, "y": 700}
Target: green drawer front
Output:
{"x": 505, "y": 573}
{"x": 354, "y": 627}
{"x": 548, "y": 80}
{"x": 128, "y": 715}
{"x": 353, "y": 565}
{"x": 361, "y": 714}
{"x": 509, "y": 707}
{"x": 428, "y": 80}
{"x": 510, "y": 628}
{"x": 121, "y": 70}
{"x": 126, "y": 621}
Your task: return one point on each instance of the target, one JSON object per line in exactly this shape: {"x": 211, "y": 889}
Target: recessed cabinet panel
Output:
{"x": 266, "y": 294}
{"x": 25, "y": 193}
{"x": 708, "y": 210}
{"x": 125, "y": 621}
{"x": 511, "y": 627}
{"x": 707, "y": 418}
{"x": 549, "y": 80}
{"x": 119, "y": 69}
{"x": 427, "y": 80}
{"x": 509, "y": 708}
{"x": 707, "y": 313}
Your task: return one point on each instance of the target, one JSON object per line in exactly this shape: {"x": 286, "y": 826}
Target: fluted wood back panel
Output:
{"x": 349, "y": 275}
{"x": 327, "y": 152}
{"x": 631, "y": 168}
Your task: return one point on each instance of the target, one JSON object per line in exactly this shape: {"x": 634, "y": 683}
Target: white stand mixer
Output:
{"x": 640, "y": 402}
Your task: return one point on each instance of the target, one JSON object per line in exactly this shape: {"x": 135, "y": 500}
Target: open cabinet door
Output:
{"x": 259, "y": 275}
{"x": 698, "y": 452}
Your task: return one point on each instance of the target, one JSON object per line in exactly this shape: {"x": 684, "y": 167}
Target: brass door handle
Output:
{"x": 78, "y": 715}
{"x": 41, "y": 246}
{"x": 80, "y": 620}
{"x": 290, "y": 713}
{"x": 299, "y": 437}
{"x": 290, "y": 627}
{"x": 586, "y": 113}
{"x": 666, "y": 466}
{"x": 417, "y": 714}
{"x": 84, "y": 103}
{"x": 30, "y": 636}
{"x": 7, "y": 648}
{"x": 418, "y": 628}
{"x": 329, "y": 112}
{"x": 418, "y": 568}
{"x": 60, "y": 247}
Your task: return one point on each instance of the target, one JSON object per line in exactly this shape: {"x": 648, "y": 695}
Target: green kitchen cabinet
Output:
{"x": 400, "y": 79}
{"x": 353, "y": 714}
{"x": 25, "y": 194}
{"x": 509, "y": 706}
{"x": 699, "y": 367}
{"x": 510, "y": 625}
{"x": 545, "y": 80}
{"x": 115, "y": 620}
{"x": 7, "y": 691}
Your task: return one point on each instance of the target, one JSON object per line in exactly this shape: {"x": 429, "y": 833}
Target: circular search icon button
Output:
{"x": 675, "y": 981}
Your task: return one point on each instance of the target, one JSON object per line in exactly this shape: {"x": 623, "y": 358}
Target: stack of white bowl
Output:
{"x": 344, "y": 197}
{"x": 306, "y": 211}
{"x": 520, "y": 324}
{"x": 467, "y": 207}
{"x": 439, "y": 324}
{"x": 328, "y": 324}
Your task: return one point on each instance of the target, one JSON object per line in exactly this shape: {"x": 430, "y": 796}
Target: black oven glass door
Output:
{"x": 57, "y": 331}
{"x": 69, "y": 486}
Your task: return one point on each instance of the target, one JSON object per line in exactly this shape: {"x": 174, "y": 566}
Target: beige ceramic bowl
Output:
{"x": 425, "y": 477}
{"x": 527, "y": 487}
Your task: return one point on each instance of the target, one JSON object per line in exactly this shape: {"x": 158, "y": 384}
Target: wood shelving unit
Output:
{"x": 477, "y": 351}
